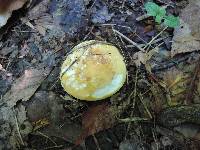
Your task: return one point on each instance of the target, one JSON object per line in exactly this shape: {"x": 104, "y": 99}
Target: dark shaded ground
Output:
{"x": 50, "y": 119}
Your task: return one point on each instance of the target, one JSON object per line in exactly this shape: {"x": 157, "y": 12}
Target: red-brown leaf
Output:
{"x": 95, "y": 119}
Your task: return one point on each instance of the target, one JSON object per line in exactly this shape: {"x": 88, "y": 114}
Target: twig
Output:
{"x": 134, "y": 92}
{"x": 140, "y": 18}
{"x": 134, "y": 100}
{"x": 150, "y": 42}
{"x": 129, "y": 40}
{"x": 145, "y": 106}
{"x": 88, "y": 33}
{"x": 96, "y": 142}
{"x": 155, "y": 139}
{"x": 112, "y": 24}
{"x": 170, "y": 63}
{"x": 154, "y": 42}
{"x": 133, "y": 119}
{"x": 42, "y": 134}
{"x": 53, "y": 147}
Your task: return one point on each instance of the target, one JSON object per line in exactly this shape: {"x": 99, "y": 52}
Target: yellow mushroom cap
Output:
{"x": 94, "y": 70}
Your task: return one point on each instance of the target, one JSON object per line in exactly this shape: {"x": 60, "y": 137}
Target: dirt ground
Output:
{"x": 158, "y": 108}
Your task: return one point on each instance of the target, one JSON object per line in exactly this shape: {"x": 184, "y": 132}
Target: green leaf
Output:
{"x": 154, "y": 10}
{"x": 171, "y": 21}
{"x": 158, "y": 19}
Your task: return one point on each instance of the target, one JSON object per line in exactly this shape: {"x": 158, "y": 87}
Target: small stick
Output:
{"x": 155, "y": 37}
{"x": 133, "y": 119}
{"x": 145, "y": 106}
{"x": 154, "y": 42}
{"x": 53, "y": 147}
{"x": 42, "y": 134}
{"x": 140, "y": 18}
{"x": 134, "y": 93}
{"x": 129, "y": 40}
{"x": 96, "y": 142}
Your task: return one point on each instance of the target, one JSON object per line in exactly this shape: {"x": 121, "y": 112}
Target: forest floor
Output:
{"x": 158, "y": 108}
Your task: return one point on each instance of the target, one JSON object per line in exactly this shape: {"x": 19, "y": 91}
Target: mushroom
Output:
{"x": 94, "y": 70}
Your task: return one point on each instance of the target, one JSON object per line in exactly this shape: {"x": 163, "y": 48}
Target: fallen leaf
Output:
{"x": 159, "y": 98}
{"x": 51, "y": 15}
{"x": 148, "y": 28}
{"x": 16, "y": 4}
{"x": 95, "y": 119}
{"x": 1, "y": 68}
{"x": 177, "y": 115}
{"x": 193, "y": 85}
{"x": 12, "y": 120}
{"x": 11, "y": 5}
{"x": 7, "y": 7}
{"x": 40, "y": 123}
{"x": 143, "y": 58}
{"x": 176, "y": 84}
{"x": 188, "y": 130}
{"x": 101, "y": 14}
{"x": 4, "y": 18}
{"x": 25, "y": 86}
{"x": 46, "y": 112}
{"x": 187, "y": 35}
{"x": 21, "y": 116}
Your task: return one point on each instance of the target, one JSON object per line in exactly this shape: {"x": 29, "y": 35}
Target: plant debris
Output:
{"x": 156, "y": 108}
{"x": 25, "y": 87}
{"x": 186, "y": 36}
{"x": 7, "y": 7}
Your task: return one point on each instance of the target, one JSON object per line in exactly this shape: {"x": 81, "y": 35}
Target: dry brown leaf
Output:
{"x": 7, "y": 7}
{"x": 41, "y": 17}
{"x": 4, "y": 18}
{"x": 17, "y": 4}
{"x": 176, "y": 82}
{"x": 187, "y": 35}
{"x": 40, "y": 123}
{"x": 143, "y": 58}
{"x": 188, "y": 130}
{"x": 25, "y": 86}
{"x": 95, "y": 119}
{"x": 1, "y": 68}
{"x": 193, "y": 85}
{"x": 159, "y": 99}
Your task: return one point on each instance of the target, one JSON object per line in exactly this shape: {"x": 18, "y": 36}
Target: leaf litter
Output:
{"x": 34, "y": 108}
{"x": 186, "y": 36}
{"x": 24, "y": 87}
